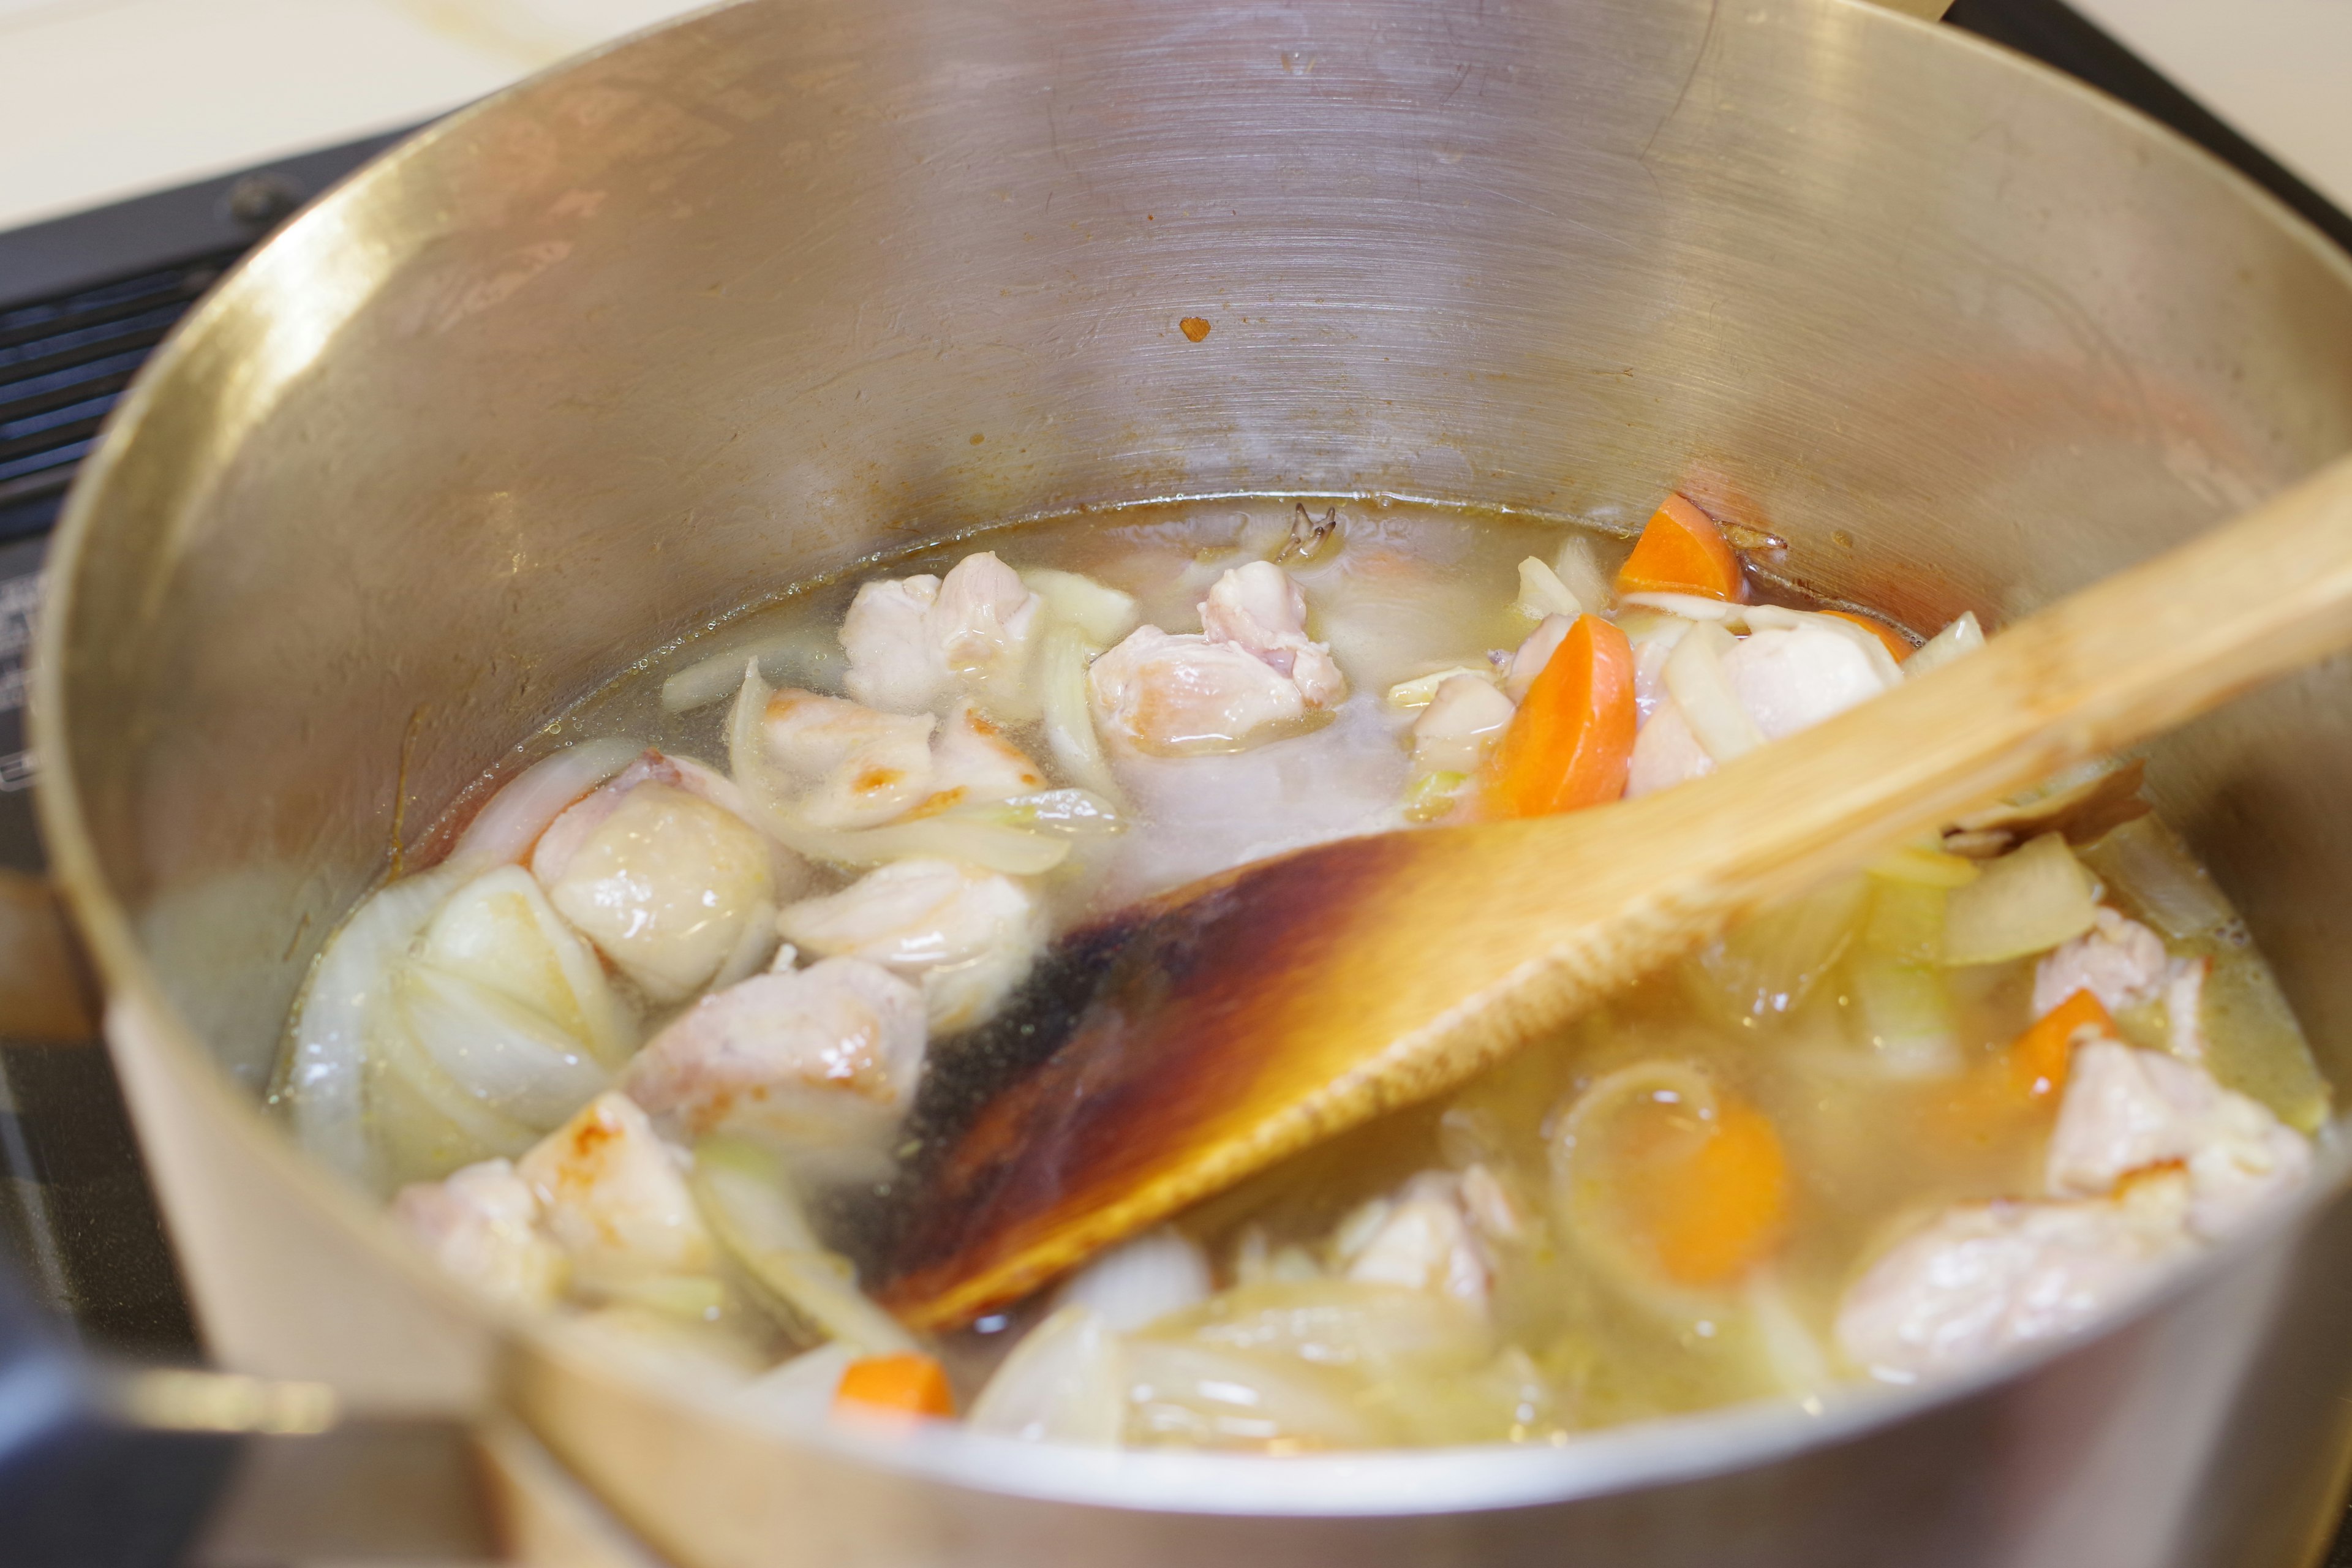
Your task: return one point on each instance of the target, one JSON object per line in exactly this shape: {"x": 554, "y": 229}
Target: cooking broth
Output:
{"x": 2037, "y": 1058}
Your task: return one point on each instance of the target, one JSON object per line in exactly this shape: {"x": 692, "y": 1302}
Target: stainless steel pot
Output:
{"x": 755, "y": 296}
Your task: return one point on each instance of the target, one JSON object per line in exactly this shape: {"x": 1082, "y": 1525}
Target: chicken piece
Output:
{"x": 1256, "y": 608}
{"x": 1421, "y": 1240}
{"x": 971, "y": 760}
{"x": 1459, "y": 728}
{"x": 965, "y": 934}
{"x": 1181, "y": 695}
{"x": 846, "y": 765}
{"x": 2119, "y": 960}
{"x": 1786, "y": 679}
{"x": 1533, "y": 653}
{"x": 914, "y": 641}
{"x": 481, "y": 1224}
{"x": 612, "y": 1196}
{"x": 666, "y": 886}
{"x": 2127, "y": 1109}
{"x": 827, "y": 1054}
{"x": 1983, "y": 1278}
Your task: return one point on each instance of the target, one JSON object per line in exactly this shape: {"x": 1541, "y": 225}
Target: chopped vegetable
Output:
{"x": 1962, "y": 636}
{"x": 1905, "y": 1012}
{"x": 1098, "y": 613}
{"x": 1577, "y": 566}
{"x": 1422, "y": 689}
{"x": 2026, "y": 902}
{"x": 2083, "y": 803}
{"x": 2147, "y": 866}
{"x": 1693, "y": 673}
{"x": 904, "y": 1385}
{"x": 1541, "y": 593}
{"x": 1905, "y": 921}
{"x": 1768, "y": 965}
{"x": 746, "y": 1198}
{"x": 1917, "y": 863}
{"x": 2035, "y": 1063}
{"x": 1898, "y": 647}
{"x": 1681, "y": 552}
{"x": 1573, "y": 737}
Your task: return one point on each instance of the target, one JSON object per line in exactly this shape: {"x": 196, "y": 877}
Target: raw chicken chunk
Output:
{"x": 843, "y": 764}
{"x": 668, "y": 887}
{"x": 914, "y": 641}
{"x": 1421, "y": 1240}
{"x": 1250, "y": 675}
{"x": 1983, "y": 1278}
{"x": 2119, "y": 960}
{"x": 829, "y": 1052}
{"x": 971, "y": 760}
{"x": 612, "y": 1196}
{"x": 1786, "y": 679}
{"x": 2127, "y": 1109}
{"x": 1259, "y": 609}
{"x": 481, "y": 1223}
{"x": 965, "y": 934}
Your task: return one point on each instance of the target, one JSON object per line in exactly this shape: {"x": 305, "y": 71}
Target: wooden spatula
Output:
{"x": 1208, "y": 1034}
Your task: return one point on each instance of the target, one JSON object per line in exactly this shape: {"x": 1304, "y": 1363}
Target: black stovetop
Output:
{"x": 83, "y": 301}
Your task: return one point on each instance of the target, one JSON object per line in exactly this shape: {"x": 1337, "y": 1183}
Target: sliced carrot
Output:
{"x": 1714, "y": 1203}
{"x": 2035, "y": 1066}
{"x": 1895, "y": 644}
{"x": 1681, "y": 552}
{"x": 905, "y": 1385}
{"x": 1572, "y": 739}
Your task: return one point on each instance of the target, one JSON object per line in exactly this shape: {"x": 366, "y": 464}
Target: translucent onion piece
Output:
{"x": 1422, "y": 689}
{"x": 747, "y": 1198}
{"x": 1100, "y": 614}
{"x": 499, "y": 932}
{"x": 1962, "y": 636}
{"x": 503, "y": 831}
{"x": 2145, "y": 862}
{"x": 2028, "y": 901}
{"x": 1142, "y": 1281}
{"x": 1768, "y": 965}
{"x": 1577, "y": 566}
{"x": 325, "y": 1077}
{"x": 1791, "y": 1352}
{"x": 1066, "y": 1382}
{"x": 1774, "y": 618}
{"x": 1068, "y": 716}
{"x": 508, "y": 1057}
{"x": 798, "y": 655}
{"x": 1905, "y": 1015}
{"x": 1581, "y": 1192}
{"x": 1213, "y": 1398}
{"x": 1693, "y": 674}
{"x": 1541, "y": 593}
{"x": 1374, "y": 1327}
{"x": 473, "y": 1129}
{"x": 1689, "y": 607}
{"x": 1923, "y": 867}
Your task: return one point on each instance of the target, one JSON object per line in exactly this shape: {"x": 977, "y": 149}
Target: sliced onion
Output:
{"x": 1144, "y": 1279}
{"x": 1767, "y": 965}
{"x": 1068, "y": 714}
{"x": 1100, "y": 614}
{"x": 1577, "y": 565}
{"x": 801, "y": 1389}
{"x": 1693, "y": 674}
{"x": 747, "y": 1198}
{"x": 1689, "y": 607}
{"x": 482, "y": 1131}
{"x": 1791, "y": 1350}
{"x": 326, "y": 1078}
{"x": 1217, "y": 1398}
{"x": 1773, "y": 617}
{"x": 1066, "y": 1383}
{"x": 2147, "y": 863}
{"x": 2028, "y": 901}
{"x": 1905, "y": 1015}
{"x": 1541, "y": 593}
{"x": 801, "y": 655}
{"x": 503, "y": 831}
{"x": 1422, "y": 689}
{"x": 506, "y": 1055}
{"x": 1962, "y": 636}
{"x": 536, "y": 959}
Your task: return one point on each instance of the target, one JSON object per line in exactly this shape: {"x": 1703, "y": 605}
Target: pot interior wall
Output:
{"x": 761, "y": 295}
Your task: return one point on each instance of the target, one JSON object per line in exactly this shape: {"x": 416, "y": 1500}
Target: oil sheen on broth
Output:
{"x": 654, "y": 1020}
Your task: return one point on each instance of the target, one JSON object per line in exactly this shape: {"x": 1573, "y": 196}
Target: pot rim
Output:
{"x": 1379, "y": 1483}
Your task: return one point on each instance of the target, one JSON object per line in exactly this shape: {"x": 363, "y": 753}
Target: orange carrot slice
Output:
{"x": 1894, "y": 642}
{"x": 2035, "y": 1066}
{"x": 902, "y": 1385}
{"x": 1713, "y": 1203}
{"x": 1572, "y": 740}
{"x": 1681, "y": 552}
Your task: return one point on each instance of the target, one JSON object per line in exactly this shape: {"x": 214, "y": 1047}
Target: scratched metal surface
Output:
{"x": 582, "y": 370}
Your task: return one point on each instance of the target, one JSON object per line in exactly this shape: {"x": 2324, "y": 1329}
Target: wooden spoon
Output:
{"x": 1201, "y": 1037}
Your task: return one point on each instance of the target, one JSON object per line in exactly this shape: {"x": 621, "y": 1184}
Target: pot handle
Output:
{"x": 151, "y": 1467}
